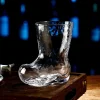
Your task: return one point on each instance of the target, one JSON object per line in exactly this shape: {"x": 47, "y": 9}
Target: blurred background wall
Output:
{"x": 18, "y": 42}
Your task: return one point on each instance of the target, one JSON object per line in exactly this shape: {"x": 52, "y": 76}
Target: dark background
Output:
{"x": 84, "y": 52}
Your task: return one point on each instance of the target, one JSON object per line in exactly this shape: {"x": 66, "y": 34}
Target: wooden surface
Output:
{"x": 93, "y": 88}
{"x": 13, "y": 89}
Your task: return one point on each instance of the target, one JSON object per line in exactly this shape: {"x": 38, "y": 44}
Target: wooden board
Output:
{"x": 13, "y": 89}
{"x": 93, "y": 88}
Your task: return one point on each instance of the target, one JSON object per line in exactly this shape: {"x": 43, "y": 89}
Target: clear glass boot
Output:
{"x": 51, "y": 67}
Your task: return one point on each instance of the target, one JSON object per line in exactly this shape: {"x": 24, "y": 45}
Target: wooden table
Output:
{"x": 93, "y": 88}
{"x": 13, "y": 89}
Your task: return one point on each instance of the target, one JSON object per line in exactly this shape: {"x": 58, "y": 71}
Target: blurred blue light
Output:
{"x": 55, "y": 19}
{"x": 22, "y": 8}
{"x": 75, "y": 32}
{"x": 4, "y": 26}
{"x": 73, "y": 1}
{"x": 95, "y": 7}
{"x": 74, "y": 68}
{"x": 53, "y": 3}
{"x": 55, "y": 13}
{"x": 92, "y": 72}
{"x": 95, "y": 34}
{"x": 24, "y": 31}
{"x": 2, "y": 2}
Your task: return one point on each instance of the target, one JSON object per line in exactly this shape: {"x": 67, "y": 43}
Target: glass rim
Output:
{"x": 56, "y": 23}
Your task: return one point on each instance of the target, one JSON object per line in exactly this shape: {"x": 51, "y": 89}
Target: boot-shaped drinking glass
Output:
{"x": 51, "y": 67}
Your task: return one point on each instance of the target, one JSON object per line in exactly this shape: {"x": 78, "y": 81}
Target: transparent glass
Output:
{"x": 51, "y": 67}
{"x": 5, "y": 70}
{"x": 1, "y": 78}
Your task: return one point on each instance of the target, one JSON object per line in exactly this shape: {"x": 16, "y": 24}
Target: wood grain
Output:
{"x": 93, "y": 88}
